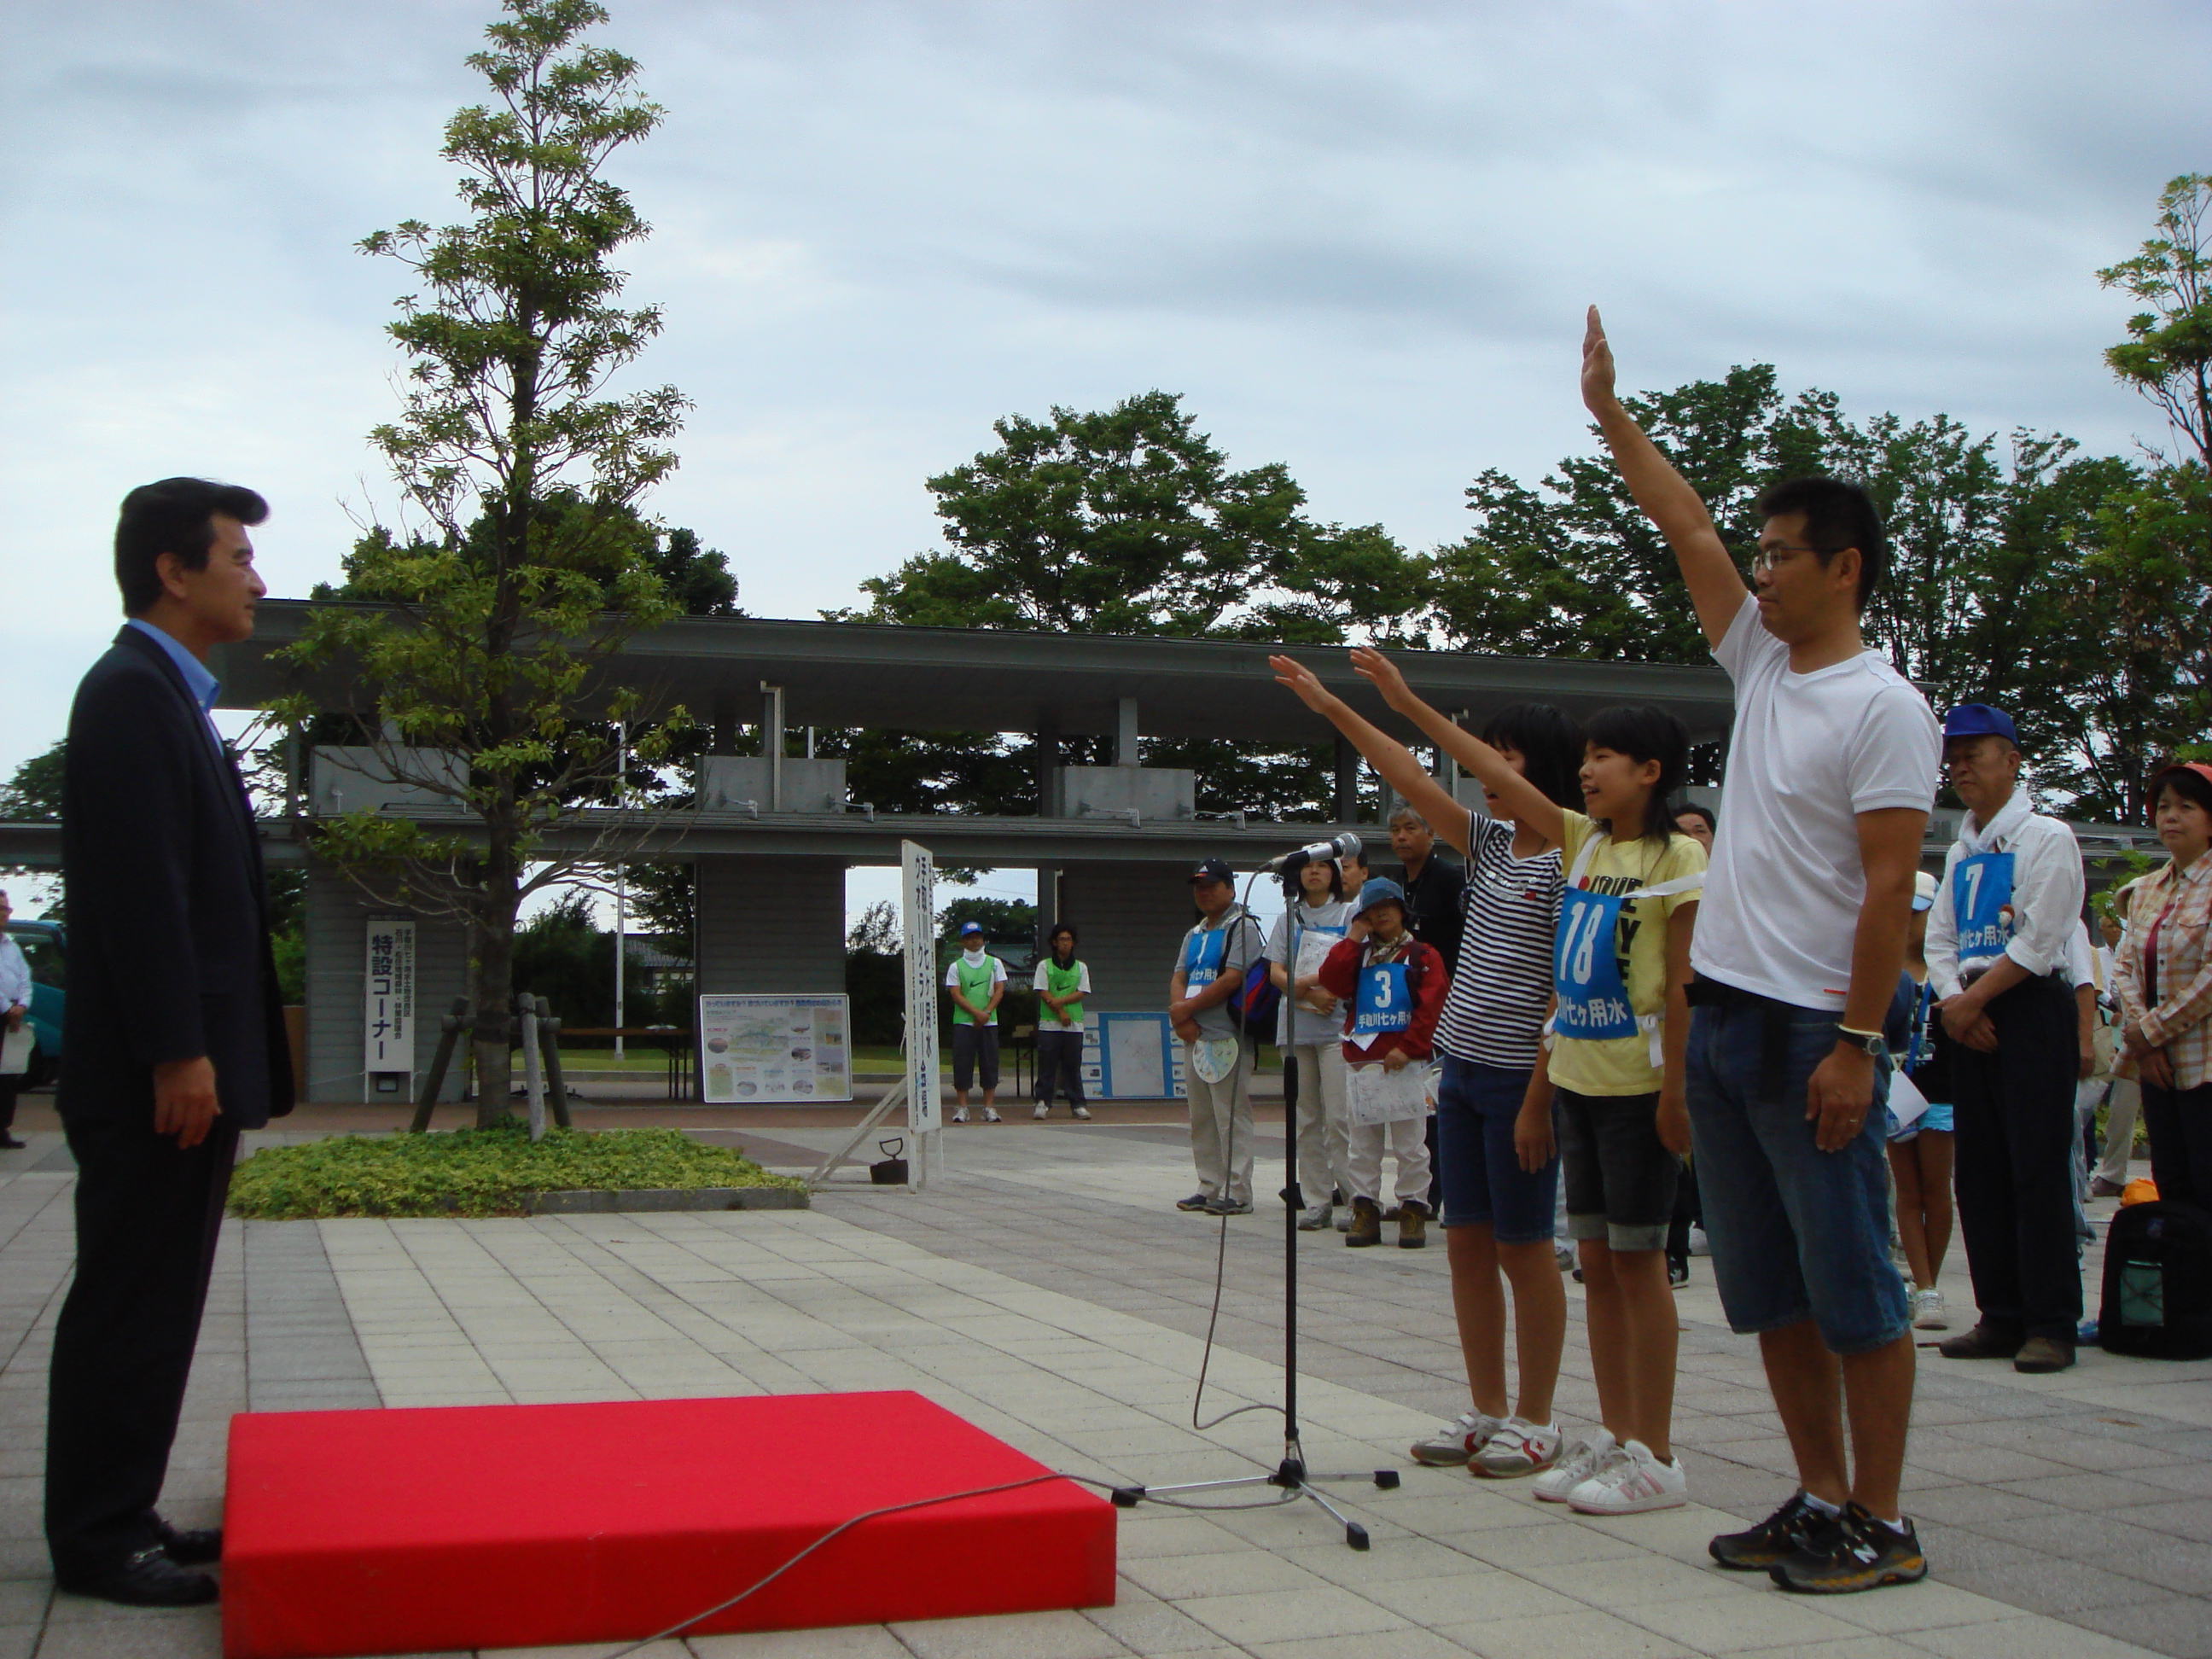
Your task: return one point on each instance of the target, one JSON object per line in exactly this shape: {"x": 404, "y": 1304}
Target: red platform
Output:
{"x": 408, "y": 1531}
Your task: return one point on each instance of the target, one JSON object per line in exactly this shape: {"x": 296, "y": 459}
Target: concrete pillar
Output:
{"x": 772, "y": 742}
{"x": 1132, "y": 917}
{"x": 1125, "y": 734}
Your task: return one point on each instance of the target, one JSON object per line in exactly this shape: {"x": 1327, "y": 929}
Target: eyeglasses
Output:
{"x": 1764, "y": 560}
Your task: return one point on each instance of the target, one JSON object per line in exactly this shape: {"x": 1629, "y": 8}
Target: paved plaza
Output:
{"x": 1045, "y": 1290}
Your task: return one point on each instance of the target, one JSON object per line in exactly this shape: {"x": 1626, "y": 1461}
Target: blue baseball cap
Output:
{"x": 968, "y": 927}
{"x": 1379, "y": 889}
{"x": 1979, "y": 719}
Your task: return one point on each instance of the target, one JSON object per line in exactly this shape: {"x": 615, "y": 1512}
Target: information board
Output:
{"x": 775, "y": 1050}
{"x": 388, "y": 999}
{"x": 1132, "y": 1056}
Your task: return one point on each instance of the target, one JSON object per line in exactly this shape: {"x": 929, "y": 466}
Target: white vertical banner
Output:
{"x": 388, "y": 997}
{"x": 925, "y": 1112}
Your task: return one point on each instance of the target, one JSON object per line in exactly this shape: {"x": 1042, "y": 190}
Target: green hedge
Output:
{"x": 475, "y": 1172}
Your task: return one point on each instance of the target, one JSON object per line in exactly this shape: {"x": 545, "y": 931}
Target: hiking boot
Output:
{"x": 1575, "y": 1465}
{"x": 1518, "y": 1448}
{"x": 1985, "y": 1341}
{"x": 1781, "y": 1535}
{"x": 2041, "y": 1355}
{"x": 1413, "y": 1226}
{"x": 1366, "y": 1223}
{"x": 1855, "y": 1553}
{"x": 1315, "y": 1217}
{"x": 1453, "y": 1444}
{"x": 1927, "y": 1310}
{"x": 1195, "y": 1201}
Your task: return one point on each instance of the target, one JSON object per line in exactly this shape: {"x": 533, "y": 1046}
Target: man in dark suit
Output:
{"x": 176, "y": 1038}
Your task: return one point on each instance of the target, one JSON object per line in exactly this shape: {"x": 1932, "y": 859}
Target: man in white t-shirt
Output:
{"x": 1800, "y": 945}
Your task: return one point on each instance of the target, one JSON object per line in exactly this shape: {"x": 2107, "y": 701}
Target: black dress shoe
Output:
{"x": 147, "y": 1579}
{"x": 200, "y": 1546}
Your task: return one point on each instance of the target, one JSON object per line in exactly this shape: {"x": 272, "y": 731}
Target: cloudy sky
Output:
{"x": 1357, "y": 236}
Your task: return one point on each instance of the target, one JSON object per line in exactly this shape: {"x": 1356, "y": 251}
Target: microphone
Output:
{"x": 1335, "y": 848}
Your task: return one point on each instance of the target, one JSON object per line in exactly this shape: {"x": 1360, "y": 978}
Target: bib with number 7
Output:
{"x": 1981, "y": 903}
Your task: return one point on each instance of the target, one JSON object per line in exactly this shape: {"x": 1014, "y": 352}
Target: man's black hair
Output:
{"x": 1074, "y": 939}
{"x": 2184, "y": 780}
{"x": 1703, "y": 812}
{"x": 1550, "y": 748}
{"x": 1645, "y": 733}
{"x": 173, "y": 516}
{"x": 1838, "y": 516}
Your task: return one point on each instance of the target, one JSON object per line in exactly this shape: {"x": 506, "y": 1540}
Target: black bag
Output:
{"x": 2158, "y": 1283}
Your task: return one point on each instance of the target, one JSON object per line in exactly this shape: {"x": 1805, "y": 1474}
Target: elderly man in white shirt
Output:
{"x": 14, "y": 1005}
{"x": 1999, "y": 945}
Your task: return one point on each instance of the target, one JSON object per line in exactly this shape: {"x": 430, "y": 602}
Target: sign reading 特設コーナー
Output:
{"x": 388, "y": 998}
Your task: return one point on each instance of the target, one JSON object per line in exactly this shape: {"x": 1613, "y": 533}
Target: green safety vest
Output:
{"x": 975, "y": 985}
{"x": 1060, "y": 982}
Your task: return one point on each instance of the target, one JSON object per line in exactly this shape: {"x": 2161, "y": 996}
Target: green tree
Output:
{"x": 33, "y": 794}
{"x": 2167, "y": 356}
{"x": 492, "y": 624}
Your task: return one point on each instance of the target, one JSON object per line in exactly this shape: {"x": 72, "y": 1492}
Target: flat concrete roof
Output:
{"x": 858, "y": 674}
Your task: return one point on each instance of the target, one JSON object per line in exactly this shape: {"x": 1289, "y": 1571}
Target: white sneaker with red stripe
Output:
{"x": 1633, "y": 1483}
{"x": 1518, "y": 1448}
{"x": 1457, "y": 1440}
{"x": 1575, "y": 1465}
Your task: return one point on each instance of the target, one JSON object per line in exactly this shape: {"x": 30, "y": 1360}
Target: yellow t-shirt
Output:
{"x": 1622, "y": 1065}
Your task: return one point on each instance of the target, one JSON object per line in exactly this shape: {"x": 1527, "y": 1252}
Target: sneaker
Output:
{"x": 1678, "y": 1268}
{"x": 960, "y": 1116}
{"x": 1457, "y": 1440}
{"x": 1574, "y": 1466}
{"x": 1782, "y": 1534}
{"x": 1927, "y": 1310}
{"x": 1220, "y": 1206}
{"x": 990, "y": 1116}
{"x": 1699, "y": 1244}
{"x": 1042, "y": 1113}
{"x": 1315, "y": 1217}
{"x": 1343, "y": 1223}
{"x": 1633, "y": 1483}
{"x": 1195, "y": 1201}
{"x": 1083, "y": 1115}
{"x": 2100, "y": 1188}
{"x": 1518, "y": 1448}
{"x": 1855, "y": 1553}
{"x": 1565, "y": 1255}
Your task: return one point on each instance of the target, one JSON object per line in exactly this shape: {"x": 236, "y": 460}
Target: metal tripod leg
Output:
{"x": 1290, "y": 1478}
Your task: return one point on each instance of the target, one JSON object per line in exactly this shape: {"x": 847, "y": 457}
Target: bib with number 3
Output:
{"x": 1382, "y": 1001}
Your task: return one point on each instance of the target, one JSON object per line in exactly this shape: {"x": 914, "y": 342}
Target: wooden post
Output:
{"x": 533, "y": 1069}
{"x": 548, "y": 1035}
{"x": 457, "y": 1021}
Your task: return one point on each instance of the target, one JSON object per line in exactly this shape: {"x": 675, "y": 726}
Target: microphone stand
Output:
{"x": 1291, "y": 1475}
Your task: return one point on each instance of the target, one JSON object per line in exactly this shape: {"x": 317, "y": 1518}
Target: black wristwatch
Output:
{"x": 1872, "y": 1044}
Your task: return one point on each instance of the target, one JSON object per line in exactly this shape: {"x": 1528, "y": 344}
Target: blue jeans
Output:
{"x": 1481, "y": 1175}
{"x": 1797, "y": 1233}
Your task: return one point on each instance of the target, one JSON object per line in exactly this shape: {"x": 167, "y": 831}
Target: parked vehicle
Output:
{"x": 45, "y": 947}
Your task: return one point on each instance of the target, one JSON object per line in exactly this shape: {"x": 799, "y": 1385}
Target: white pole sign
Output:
{"x": 388, "y": 1004}
{"x": 918, "y": 917}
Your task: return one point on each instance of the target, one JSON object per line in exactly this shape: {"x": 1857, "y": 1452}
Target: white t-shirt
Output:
{"x": 1810, "y": 752}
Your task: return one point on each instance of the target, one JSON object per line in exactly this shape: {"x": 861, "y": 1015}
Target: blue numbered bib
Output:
{"x": 1981, "y": 903}
{"x": 1201, "y": 957}
{"x": 1592, "y": 1001}
{"x": 1383, "y": 1000}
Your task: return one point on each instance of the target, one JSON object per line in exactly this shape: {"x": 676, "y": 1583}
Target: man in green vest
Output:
{"x": 975, "y": 980}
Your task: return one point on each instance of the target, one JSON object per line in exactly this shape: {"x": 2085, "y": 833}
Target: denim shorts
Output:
{"x": 1482, "y": 1180}
{"x": 1620, "y": 1177}
{"x": 1797, "y": 1233}
{"x": 1936, "y": 1117}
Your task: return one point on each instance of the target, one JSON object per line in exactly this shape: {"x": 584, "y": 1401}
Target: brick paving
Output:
{"x": 1046, "y": 1290}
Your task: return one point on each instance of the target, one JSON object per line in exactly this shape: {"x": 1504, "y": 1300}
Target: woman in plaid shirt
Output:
{"x": 2166, "y": 987}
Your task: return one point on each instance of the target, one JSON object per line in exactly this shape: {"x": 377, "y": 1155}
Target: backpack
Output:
{"x": 1253, "y": 1009}
{"x": 2158, "y": 1283}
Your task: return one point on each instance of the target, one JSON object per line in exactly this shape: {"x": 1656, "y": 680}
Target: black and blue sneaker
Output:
{"x": 1781, "y": 1535}
{"x": 1856, "y": 1552}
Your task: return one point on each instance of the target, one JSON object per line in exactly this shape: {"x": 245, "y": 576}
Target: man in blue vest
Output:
{"x": 2008, "y": 906}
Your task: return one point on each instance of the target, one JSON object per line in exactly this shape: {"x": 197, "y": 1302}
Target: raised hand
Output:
{"x": 1302, "y": 682}
{"x": 1597, "y": 365}
{"x": 1383, "y": 674}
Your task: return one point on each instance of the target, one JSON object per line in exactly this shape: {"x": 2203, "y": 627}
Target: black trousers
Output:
{"x": 2179, "y": 1123}
{"x": 11, "y": 1086}
{"x": 147, "y": 1217}
{"x": 2015, "y": 1175}
{"x": 1060, "y": 1064}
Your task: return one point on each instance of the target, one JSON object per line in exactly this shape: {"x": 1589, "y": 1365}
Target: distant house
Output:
{"x": 657, "y": 962}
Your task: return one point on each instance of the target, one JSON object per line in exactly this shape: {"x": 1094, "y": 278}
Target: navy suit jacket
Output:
{"x": 168, "y": 925}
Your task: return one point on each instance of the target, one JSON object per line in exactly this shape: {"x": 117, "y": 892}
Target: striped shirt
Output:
{"x": 1501, "y": 991}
